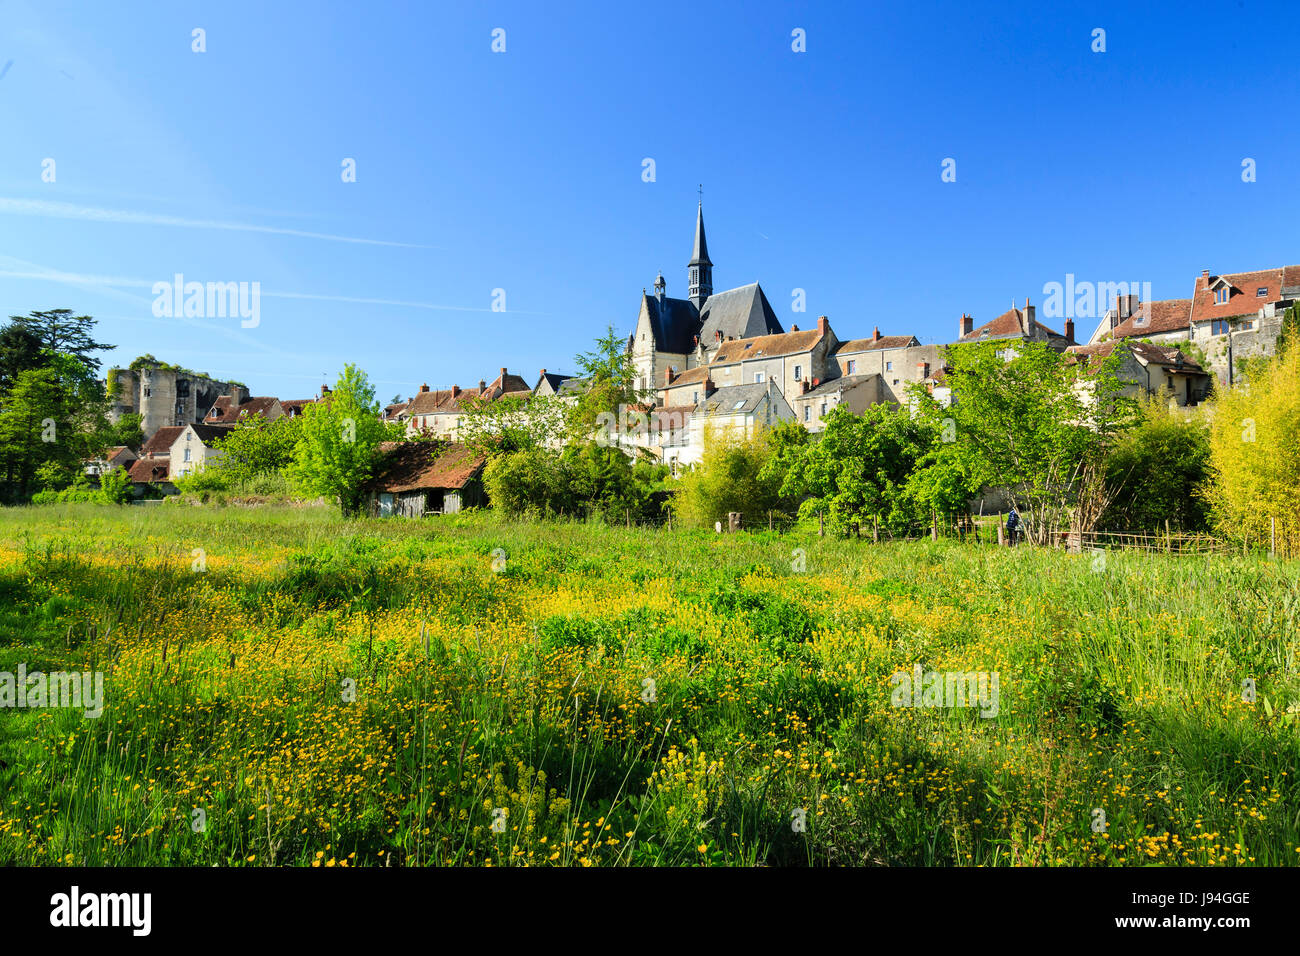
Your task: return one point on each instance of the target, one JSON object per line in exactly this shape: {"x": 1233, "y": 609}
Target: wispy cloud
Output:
{"x": 108, "y": 283}
{"x": 52, "y": 209}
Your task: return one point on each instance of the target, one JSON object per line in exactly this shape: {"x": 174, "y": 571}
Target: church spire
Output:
{"x": 700, "y": 284}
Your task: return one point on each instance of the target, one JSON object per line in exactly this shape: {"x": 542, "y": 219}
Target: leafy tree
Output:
{"x": 859, "y": 469}
{"x": 116, "y": 486}
{"x": 58, "y": 330}
{"x": 1157, "y": 470}
{"x": 610, "y": 388}
{"x": 1034, "y": 423}
{"x": 338, "y": 447}
{"x": 52, "y": 420}
{"x": 732, "y": 475}
{"x": 1255, "y": 451}
{"x": 255, "y": 446}
{"x": 20, "y": 350}
{"x": 512, "y": 423}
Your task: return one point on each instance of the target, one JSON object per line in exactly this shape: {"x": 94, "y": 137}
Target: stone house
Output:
{"x": 1015, "y": 325}
{"x": 858, "y": 392}
{"x": 227, "y": 410}
{"x": 734, "y": 408}
{"x": 195, "y": 447}
{"x": 1147, "y": 368}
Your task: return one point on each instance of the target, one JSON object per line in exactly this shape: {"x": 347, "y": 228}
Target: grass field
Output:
{"x": 308, "y": 691}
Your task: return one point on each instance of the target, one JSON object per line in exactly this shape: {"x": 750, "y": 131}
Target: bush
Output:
{"x": 732, "y": 476}
{"x": 1157, "y": 469}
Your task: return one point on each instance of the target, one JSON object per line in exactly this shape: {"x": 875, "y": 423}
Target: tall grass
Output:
{"x": 284, "y": 688}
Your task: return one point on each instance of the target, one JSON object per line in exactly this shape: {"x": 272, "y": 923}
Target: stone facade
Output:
{"x": 165, "y": 397}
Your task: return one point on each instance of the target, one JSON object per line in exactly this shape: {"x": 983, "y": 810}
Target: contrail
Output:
{"x": 5, "y": 69}
{"x": 64, "y": 210}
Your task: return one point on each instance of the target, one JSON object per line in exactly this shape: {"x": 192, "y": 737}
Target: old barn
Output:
{"x": 417, "y": 478}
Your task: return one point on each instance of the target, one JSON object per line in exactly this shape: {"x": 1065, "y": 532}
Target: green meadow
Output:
{"x": 283, "y": 687}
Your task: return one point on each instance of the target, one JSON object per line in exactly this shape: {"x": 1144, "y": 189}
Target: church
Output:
{"x": 682, "y": 334}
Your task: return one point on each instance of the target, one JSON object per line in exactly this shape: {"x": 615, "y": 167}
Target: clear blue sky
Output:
{"x": 522, "y": 170}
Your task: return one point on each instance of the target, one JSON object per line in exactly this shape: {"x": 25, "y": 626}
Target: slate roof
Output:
{"x": 724, "y": 401}
{"x": 766, "y": 346}
{"x": 416, "y": 465}
{"x": 1151, "y": 318}
{"x": 674, "y": 323}
{"x": 837, "y": 385}
{"x": 700, "y": 252}
{"x": 742, "y": 313}
{"x": 208, "y": 433}
{"x": 160, "y": 443}
{"x": 295, "y": 406}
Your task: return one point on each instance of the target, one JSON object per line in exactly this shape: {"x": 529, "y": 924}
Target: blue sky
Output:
{"x": 522, "y": 170}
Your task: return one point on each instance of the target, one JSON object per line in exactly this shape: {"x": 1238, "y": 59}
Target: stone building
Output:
{"x": 166, "y": 396}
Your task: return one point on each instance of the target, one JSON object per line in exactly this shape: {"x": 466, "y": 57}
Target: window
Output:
{"x": 798, "y": 372}
{"x": 187, "y": 454}
{"x": 895, "y": 381}
{"x": 1219, "y": 327}
{"x": 758, "y": 376}
{"x": 146, "y": 391}
{"x": 889, "y": 366}
{"x": 1261, "y": 292}
{"x": 695, "y": 398}
{"x": 739, "y": 405}
{"x": 853, "y": 366}
{"x": 807, "y": 413}
{"x": 1221, "y": 296}
{"x": 823, "y": 408}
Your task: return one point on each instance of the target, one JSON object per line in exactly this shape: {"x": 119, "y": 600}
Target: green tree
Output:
{"x": 1156, "y": 471}
{"x": 338, "y": 448}
{"x": 732, "y": 475}
{"x": 59, "y": 331}
{"x": 1035, "y": 423}
{"x": 1255, "y": 451}
{"x": 512, "y": 423}
{"x": 609, "y": 390}
{"x": 20, "y": 350}
{"x": 255, "y": 447}
{"x": 859, "y": 468}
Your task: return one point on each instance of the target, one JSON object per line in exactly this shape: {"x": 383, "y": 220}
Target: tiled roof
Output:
{"x": 160, "y": 443}
{"x": 1148, "y": 354}
{"x": 1151, "y": 318}
{"x": 689, "y": 377}
{"x": 1243, "y": 296}
{"x": 145, "y": 470}
{"x": 416, "y": 465}
{"x": 207, "y": 433}
{"x": 871, "y": 345}
{"x": 766, "y": 346}
{"x": 1009, "y": 324}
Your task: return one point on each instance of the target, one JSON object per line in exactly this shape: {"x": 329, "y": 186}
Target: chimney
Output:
{"x": 719, "y": 335}
{"x": 804, "y": 389}
{"x": 543, "y": 375}
{"x": 822, "y": 325}
{"x": 1205, "y": 273}
{"x": 709, "y": 387}
{"x": 697, "y": 341}
{"x": 424, "y": 387}
{"x": 1028, "y": 317}
{"x": 1069, "y": 330}
{"x": 482, "y": 386}
{"x": 875, "y": 335}
{"x": 922, "y": 371}
{"x": 967, "y": 325}
{"x": 324, "y": 390}
{"x": 795, "y": 327}
{"x": 455, "y": 391}
{"x": 669, "y": 376}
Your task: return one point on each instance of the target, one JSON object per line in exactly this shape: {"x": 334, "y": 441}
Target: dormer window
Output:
{"x": 1221, "y": 296}
{"x": 1261, "y": 292}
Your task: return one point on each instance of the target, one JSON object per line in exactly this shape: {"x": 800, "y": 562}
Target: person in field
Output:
{"x": 1013, "y": 526}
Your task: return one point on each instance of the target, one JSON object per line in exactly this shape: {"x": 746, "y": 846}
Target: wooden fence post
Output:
{"x": 769, "y": 519}
{"x": 875, "y": 529}
{"x": 934, "y": 525}
{"x": 1001, "y": 542}
{"x": 821, "y": 524}
{"x": 1272, "y": 537}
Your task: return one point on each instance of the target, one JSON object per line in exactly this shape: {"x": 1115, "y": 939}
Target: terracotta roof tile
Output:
{"x": 413, "y": 465}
